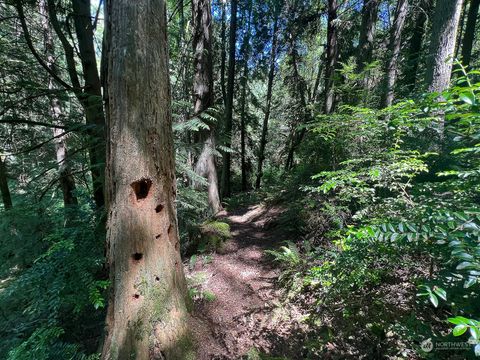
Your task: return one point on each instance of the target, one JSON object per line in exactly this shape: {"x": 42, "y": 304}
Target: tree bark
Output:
{"x": 332, "y": 56}
{"x": 367, "y": 33}
{"x": 226, "y": 186}
{"x": 243, "y": 101}
{"x": 395, "y": 47}
{"x": 66, "y": 180}
{"x": 271, "y": 74}
{"x": 442, "y": 44}
{"x": 6, "y": 197}
{"x": 203, "y": 94}
{"x": 147, "y": 315}
{"x": 223, "y": 53}
{"x": 92, "y": 96}
{"x": 415, "y": 44}
{"x": 469, "y": 35}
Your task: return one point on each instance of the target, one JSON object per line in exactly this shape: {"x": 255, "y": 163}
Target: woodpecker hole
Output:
{"x": 157, "y": 278}
{"x": 137, "y": 256}
{"x": 158, "y": 236}
{"x": 136, "y": 296}
{"x": 141, "y": 188}
{"x": 159, "y": 208}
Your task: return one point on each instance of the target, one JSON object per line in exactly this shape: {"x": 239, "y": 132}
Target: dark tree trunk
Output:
{"x": 89, "y": 95}
{"x": 394, "y": 49}
{"x": 415, "y": 44}
{"x": 442, "y": 44}
{"x": 92, "y": 96}
{"x": 332, "y": 56}
{"x": 6, "y": 197}
{"x": 243, "y": 101}
{"x": 223, "y": 53}
{"x": 469, "y": 35}
{"x": 66, "y": 180}
{"x": 147, "y": 315}
{"x": 226, "y": 176}
{"x": 271, "y": 74}
{"x": 203, "y": 95}
{"x": 367, "y": 33}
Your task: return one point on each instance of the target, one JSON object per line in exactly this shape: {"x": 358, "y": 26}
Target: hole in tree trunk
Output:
{"x": 137, "y": 256}
{"x": 157, "y": 278}
{"x": 158, "y": 236}
{"x": 141, "y": 188}
{"x": 159, "y": 208}
{"x": 136, "y": 296}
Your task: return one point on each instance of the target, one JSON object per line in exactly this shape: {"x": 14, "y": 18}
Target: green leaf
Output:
{"x": 467, "y": 97}
{"x": 458, "y": 320}
{"x": 434, "y": 300}
{"x": 464, "y": 265}
{"x": 475, "y": 332}
{"x": 460, "y": 329}
{"x": 440, "y": 292}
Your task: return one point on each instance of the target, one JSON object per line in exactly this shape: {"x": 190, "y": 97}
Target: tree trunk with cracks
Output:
{"x": 331, "y": 56}
{"x": 469, "y": 35}
{"x": 6, "y": 197}
{"x": 147, "y": 313}
{"x": 203, "y": 96}
{"x": 66, "y": 180}
{"x": 271, "y": 74}
{"x": 395, "y": 47}
{"x": 226, "y": 173}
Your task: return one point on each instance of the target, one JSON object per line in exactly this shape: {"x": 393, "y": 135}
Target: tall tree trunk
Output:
{"x": 395, "y": 47}
{"x": 92, "y": 96}
{"x": 415, "y": 44}
{"x": 271, "y": 74}
{"x": 226, "y": 186}
{"x": 367, "y": 33}
{"x": 469, "y": 35}
{"x": 66, "y": 180}
{"x": 223, "y": 52}
{"x": 6, "y": 197}
{"x": 147, "y": 315}
{"x": 89, "y": 95}
{"x": 299, "y": 87}
{"x": 332, "y": 56}
{"x": 442, "y": 44}
{"x": 203, "y": 95}
{"x": 243, "y": 101}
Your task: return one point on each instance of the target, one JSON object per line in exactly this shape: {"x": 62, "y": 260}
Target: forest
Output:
{"x": 239, "y": 179}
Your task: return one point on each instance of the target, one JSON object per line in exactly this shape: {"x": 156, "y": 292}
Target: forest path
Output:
{"x": 246, "y": 313}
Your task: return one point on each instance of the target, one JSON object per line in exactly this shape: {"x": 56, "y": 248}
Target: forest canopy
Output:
{"x": 241, "y": 179}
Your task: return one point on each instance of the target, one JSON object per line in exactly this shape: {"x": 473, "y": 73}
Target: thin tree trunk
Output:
{"x": 271, "y": 74}
{"x": 415, "y": 45}
{"x": 6, "y": 197}
{"x": 223, "y": 53}
{"x": 243, "y": 101}
{"x": 332, "y": 56}
{"x": 458, "y": 41}
{"x": 395, "y": 47}
{"x": 204, "y": 95}
{"x": 89, "y": 95}
{"x": 92, "y": 96}
{"x": 469, "y": 35}
{"x": 147, "y": 315}
{"x": 367, "y": 33}
{"x": 442, "y": 44}
{"x": 66, "y": 180}
{"x": 226, "y": 186}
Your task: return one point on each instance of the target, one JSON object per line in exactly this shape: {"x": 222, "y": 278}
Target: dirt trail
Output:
{"x": 246, "y": 313}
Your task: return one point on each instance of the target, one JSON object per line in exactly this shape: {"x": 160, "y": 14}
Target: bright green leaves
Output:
{"x": 433, "y": 294}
